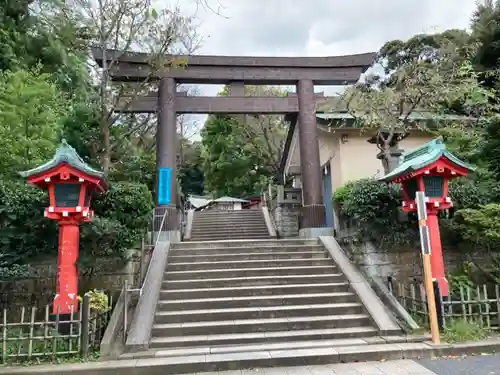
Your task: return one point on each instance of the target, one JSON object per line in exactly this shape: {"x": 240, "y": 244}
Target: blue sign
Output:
{"x": 163, "y": 188}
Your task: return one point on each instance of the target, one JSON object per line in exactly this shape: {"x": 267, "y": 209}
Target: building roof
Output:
{"x": 226, "y": 199}
{"x": 422, "y": 157}
{"x": 415, "y": 116}
{"x": 198, "y": 201}
{"x": 68, "y": 155}
{"x": 337, "y": 117}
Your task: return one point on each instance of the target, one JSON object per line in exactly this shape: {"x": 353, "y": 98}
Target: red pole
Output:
{"x": 437, "y": 262}
{"x": 66, "y": 299}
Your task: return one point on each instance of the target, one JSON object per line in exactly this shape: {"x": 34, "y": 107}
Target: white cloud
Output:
{"x": 319, "y": 27}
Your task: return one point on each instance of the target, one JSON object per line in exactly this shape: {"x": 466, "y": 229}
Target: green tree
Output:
{"x": 485, "y": 25}
{"x": 228, "y": 160}
{"x": 31, "y": 115}
{"x": 397, "y": 53}
{"x": 384, "y": 108}
{"x": 481, "y": 227}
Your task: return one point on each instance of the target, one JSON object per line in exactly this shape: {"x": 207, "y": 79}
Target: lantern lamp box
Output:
{"x": 70, "y": 183}
{"x": 427, "y": 168}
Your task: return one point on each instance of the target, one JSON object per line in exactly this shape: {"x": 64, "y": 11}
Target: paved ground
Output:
{"x": 402, "y": 367}
{"x": 480, "y": 365}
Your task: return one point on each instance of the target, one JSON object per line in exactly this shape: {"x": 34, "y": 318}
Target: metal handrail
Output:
{"x": 156, "y": 243}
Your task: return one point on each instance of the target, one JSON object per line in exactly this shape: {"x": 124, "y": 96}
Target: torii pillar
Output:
{"x": 313, "y": 209}
{"x": 166, "y": 161}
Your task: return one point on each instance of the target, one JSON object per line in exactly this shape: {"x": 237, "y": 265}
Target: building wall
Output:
{"x": 355, "y": 158}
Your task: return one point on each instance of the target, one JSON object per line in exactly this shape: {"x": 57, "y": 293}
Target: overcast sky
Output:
{"x": 319, "y": 27}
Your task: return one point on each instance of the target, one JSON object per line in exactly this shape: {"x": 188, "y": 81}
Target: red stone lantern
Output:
{"x": 428, "y": 169}
{"x": 70, "y": 183}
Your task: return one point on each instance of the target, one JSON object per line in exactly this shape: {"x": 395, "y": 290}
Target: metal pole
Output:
{"x": 426, "y": 257}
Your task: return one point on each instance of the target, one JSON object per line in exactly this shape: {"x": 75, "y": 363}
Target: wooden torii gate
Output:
{"x": 236, "y": 71}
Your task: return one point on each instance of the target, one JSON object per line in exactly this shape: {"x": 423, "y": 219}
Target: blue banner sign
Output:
{"x": 163, "y": 188}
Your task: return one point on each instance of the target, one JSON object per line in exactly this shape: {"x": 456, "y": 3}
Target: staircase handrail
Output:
{"x": 162, "y": 223}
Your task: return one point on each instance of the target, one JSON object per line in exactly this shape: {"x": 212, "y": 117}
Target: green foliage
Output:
{"x": 228, "y": 160}
{"x": 460, "y": 330}
{"x": 375, "y": 207}
{"x": 396, "y": 53}
{"x": 26, "y": 234}
{"x": 461, "y": 279}
{"x": 98, "y": 301}
{"x": 481, "y": 224}
{"x": 31, "y": 115}
{"x": 122, "y": 217}
{"x": 491, "y": 149}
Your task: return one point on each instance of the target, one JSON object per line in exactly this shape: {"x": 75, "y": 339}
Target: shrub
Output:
{"x": 375, "y": 208}
{"x": 122, "y": 216}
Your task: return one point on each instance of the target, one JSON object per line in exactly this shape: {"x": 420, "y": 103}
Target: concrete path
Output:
{"x": 399, "y": 367}
{"x": 478, "y": 365}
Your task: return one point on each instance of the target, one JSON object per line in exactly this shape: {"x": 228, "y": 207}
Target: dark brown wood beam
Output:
{"x": 357, "y": 60}
{"x": 218, "y": 75}
{"x": 217, "y": 104}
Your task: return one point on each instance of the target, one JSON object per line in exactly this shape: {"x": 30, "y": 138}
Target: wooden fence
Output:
{"x": 480, "y": 304}
{"x": 37, "y": 335}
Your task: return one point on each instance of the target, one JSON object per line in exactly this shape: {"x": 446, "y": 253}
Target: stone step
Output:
{"x": 282, "y": 357}
{"x": 224, "y": 231}
{"x": 256, "y": 301}
{"x": 172, "y": 259}
{"x": 261, "y": 325}
{"x": 267, "y": 312}
{"x": 230, "y": 219}
{"x": 230, "y": 225}
{"x": 229, "y": 236}
{"x": 264, "y": 346}
{"x": 184, "y": 251}
{"x": 259, "y": 243}
{"x": 222, "y": 228}
{"x": 228, "y": 213}
{"x": 253, "y": 281}
{"x": 248, "y": 272}
{"x": 241, "y": 264}
{"x": 261, "y": 337}
{"x": 228, "y": 232}
{"x": 264, "y": 290}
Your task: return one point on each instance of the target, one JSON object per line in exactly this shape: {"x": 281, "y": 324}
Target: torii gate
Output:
{"x": 236, "y": 71}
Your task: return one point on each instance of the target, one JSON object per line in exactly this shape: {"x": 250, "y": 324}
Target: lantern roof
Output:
{"x": 65, "y": 154}
{"x": 423, "y": 156}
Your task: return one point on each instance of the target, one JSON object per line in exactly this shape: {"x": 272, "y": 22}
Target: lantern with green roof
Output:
{"x": 70, "y": 183}
{"x": 427, "y": 168}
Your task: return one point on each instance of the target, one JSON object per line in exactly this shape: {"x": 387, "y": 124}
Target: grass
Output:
{"x": 460, "y": 330}
{"x": 45, "y": 346}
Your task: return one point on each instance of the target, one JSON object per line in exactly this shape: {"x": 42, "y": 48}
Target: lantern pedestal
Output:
{"x": 66, "y": 299}
{"x": 437, "y": 262}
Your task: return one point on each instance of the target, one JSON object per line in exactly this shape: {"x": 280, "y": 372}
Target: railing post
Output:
{"x": 125, "y": 311}
{"x": 85, "y": 327}
{"x": 281, "y": 194}
{"x": 390, "y": 284}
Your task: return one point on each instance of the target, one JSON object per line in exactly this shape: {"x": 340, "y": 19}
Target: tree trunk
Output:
{"x": 106, "y": 144}
{"x": 390, "y": 158}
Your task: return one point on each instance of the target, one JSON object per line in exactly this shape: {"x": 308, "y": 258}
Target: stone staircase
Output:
{"x": 239, "y": 304}
{"x": 225, "y": 225}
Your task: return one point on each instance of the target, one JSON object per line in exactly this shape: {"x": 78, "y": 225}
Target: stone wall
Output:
{"x": 404, "y": 265}
{"x": 286, "y": 220}
{"x": 38, "y": 289}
